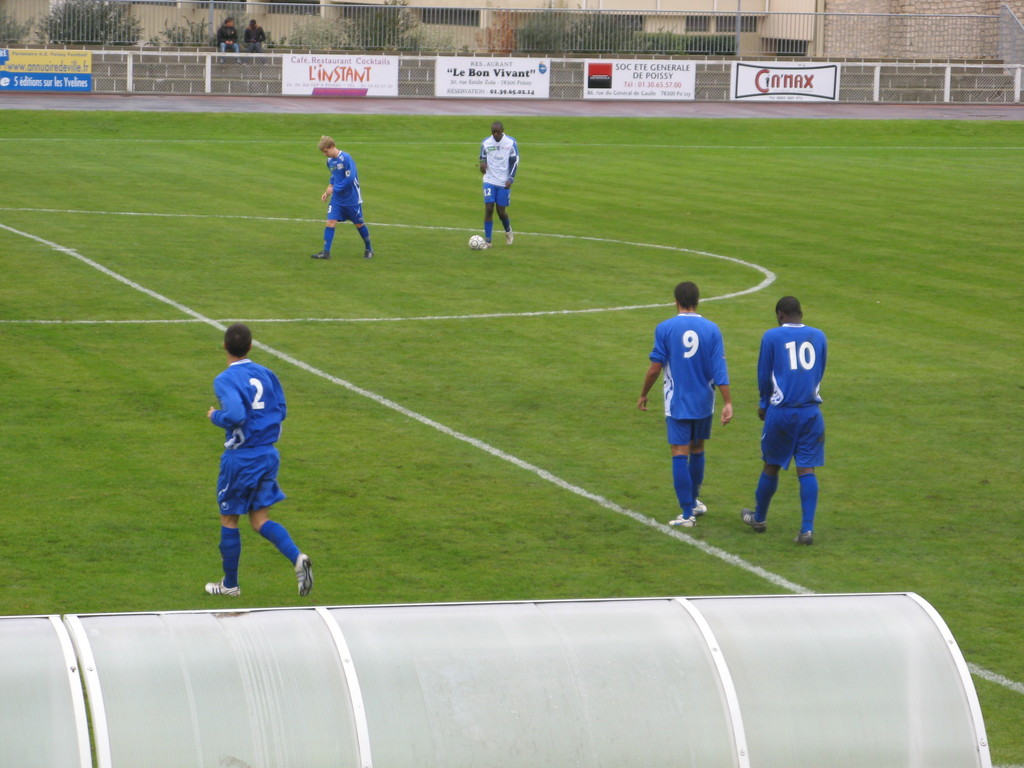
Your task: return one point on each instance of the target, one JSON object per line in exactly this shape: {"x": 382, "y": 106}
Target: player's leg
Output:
{"x": 230, "y": 505}
{"x": 329, "y": 226}
{"x": 809, "y": 453}
{"x": 503, "y": 198}
{"x": 777, "y": 445}
{"x": 489, "y": 198}
{"x": 679, "y": 433}
{"x": 267, "y": 494}
{"x": 696, "y": 466}
{"x": 356, "y": 217}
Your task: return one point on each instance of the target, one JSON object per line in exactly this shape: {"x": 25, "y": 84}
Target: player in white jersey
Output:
{"x": 499, "y": 160}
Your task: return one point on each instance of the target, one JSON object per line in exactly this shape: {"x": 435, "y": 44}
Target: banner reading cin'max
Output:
{"x": 45, "y": 70}
{"x": 646, "y": 80}
{"x": 474, "y": 78}
{"x": 308, "y": 74}
{"x": 786, "y": 82}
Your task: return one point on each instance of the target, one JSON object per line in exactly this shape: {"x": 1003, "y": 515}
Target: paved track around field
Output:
{"x": 506, "y": 107}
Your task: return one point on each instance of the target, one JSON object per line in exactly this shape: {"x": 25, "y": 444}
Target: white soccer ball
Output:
{"x": 477, "y": 243}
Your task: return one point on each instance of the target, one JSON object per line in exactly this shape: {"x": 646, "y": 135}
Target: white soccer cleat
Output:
{"x": 683, "y": 522}
{"x": 304, "y": 574}
{"x": 485, "y": 246}
{"x": 218, "y": 588}
{"x": 699, "y": 508}
{"x": 509, "y": 238}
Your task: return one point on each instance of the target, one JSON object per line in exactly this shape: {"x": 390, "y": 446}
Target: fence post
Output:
{"x": 130, "y": 74}
{"x": 208, "y": 87}
{"x": 876, "y": 86}
{"x": 947, "y": 79}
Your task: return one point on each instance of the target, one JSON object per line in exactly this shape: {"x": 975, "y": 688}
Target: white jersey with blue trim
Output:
{"x": 502, "y": 158}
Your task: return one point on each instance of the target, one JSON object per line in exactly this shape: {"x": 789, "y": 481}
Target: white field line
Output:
{"x": 721, "y": 554}
{"x": 768, "y": 275}
{"x": 560, "y": 146}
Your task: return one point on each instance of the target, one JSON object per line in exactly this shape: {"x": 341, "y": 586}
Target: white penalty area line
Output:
{"x": 716, "y": 552}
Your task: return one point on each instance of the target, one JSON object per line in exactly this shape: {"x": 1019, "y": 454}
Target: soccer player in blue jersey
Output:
{"x": 499, "y": 160}
{"x": 689, "y": 349}
{"x": 252, "y": 407}
{"x": 346, "y": 200}
{"x": 790, "y": 367}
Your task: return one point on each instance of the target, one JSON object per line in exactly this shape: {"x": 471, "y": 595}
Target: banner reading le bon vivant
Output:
{"x": 646, "y": 80}
{"x": 45, "y": 70}
{"x": 310, "y": 74}
{"x": 786, "y": 82}
{"x": 462, "y": 77}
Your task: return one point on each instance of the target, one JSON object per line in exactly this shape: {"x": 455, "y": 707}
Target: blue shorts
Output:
{"x": 493, "y": 193}
{"x": 248, "y": 480}
{"x": 685, "y": 431}
{"x": 338, "y": 212}
{"x": 794, "y": 433}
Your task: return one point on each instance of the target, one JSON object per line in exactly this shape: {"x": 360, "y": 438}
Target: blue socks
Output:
{"x": 488, "y": 230}
{"x": 277, "y": 535}
{"x": 683, "y": 484}
{"x": 230, "y": 551}
{"x": 365, "y": 234}
{"x": 766, "y": 487}
{"x": 808, "y": 500}
{"x": 328, "y": 238}
{"x": 696, "y": 473}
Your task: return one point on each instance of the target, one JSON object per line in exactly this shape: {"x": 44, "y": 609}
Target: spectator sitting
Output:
{"x": 227, "y": 36}
{"x": 254, "y": 37}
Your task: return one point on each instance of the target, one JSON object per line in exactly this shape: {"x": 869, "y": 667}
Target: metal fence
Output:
{"x": 156, "y": 72}
{"x": 401, "y": 28}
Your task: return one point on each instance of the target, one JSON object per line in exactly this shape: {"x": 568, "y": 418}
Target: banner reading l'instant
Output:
{"x": 784, "y": 82}
{"x": 312, "y": 74}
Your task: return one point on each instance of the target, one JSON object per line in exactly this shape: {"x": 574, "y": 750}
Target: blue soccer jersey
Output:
{"x": 344, "y": 180}
{"x": 791, "y": 365}
{"x": 690, "y": 349}
{"x": 252, "y": 405}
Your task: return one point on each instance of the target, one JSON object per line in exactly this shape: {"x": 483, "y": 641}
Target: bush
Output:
{"x": 90, "y": 22}
{"x": 12, "y": 30}
{"x": 191, "y": 33}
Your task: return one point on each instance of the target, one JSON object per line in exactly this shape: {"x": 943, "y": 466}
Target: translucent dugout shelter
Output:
{"x": 42, "y": 709}
{"x": 744, "y": 682}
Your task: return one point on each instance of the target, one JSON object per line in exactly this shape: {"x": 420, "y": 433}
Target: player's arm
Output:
{"x": 766, "y": 364}
{"x": 649, "y": 378}
{"x": 513, "y": 165}
{"x": 483, "y": 158}
{"x": 727, "y": 403}
{"x": 232, "y": 408}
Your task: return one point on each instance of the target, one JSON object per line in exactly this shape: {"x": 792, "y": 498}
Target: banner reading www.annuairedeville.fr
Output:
{"x": 45, "y": 70}
{"x": 784, "y": 82}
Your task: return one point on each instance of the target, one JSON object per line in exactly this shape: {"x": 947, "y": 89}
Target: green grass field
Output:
{"x": 462, "y": 425}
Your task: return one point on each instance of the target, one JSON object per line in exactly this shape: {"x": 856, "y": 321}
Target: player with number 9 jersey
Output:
{"x": 691, "y": 351}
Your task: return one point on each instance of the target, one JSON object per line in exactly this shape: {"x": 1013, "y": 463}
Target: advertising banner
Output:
{"x": 68, "y": 71}
{"x": 643, "y": 80}
{"x": 784, "y": 82}
{"x": 313, "y": 74}
{"x": 476, "y": 78}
